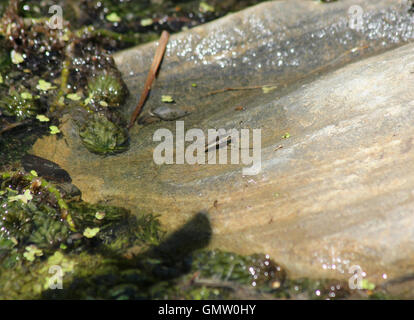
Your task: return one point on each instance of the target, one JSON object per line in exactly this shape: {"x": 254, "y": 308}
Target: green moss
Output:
{"x": 107, "y": 89}
{"x": 34, "y": 237}
{"x": 101, "y": 136}
{"x": 31, "y": 220}
{"x": 255, "y": 270}
{"x": 33, "y": 212}
{"x": 20, "y": 106}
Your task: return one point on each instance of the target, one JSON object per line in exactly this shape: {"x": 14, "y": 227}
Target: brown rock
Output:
{"x": 340, "y": 190}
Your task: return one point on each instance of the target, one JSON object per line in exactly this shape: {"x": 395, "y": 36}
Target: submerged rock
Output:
{"x": 335, "y": 187}
{"x": 170, "y": 113}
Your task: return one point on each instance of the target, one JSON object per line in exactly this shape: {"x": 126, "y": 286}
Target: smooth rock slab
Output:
{"x": 340, "y": 192}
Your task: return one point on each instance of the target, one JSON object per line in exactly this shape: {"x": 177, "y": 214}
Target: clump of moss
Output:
{"x": 101, "y": 136}
{"x": 313, "y": 289}
{"x": 20, "y": 105}
{"x": 31, "y": 212}
{"x": 254, "y": 270}
{"x": 107, "y": 89}
{"x": 40, "y": 229}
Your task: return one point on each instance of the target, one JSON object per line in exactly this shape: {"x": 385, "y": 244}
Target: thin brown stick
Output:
{"x": 12, "y": 126}
{"x": 159, "y": 54}
{"x": 233, "y": 89}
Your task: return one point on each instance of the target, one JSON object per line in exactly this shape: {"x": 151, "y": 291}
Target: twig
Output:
{"x": 234, "y": 89}
{"x": 159, "y": 54}
{"x": 12, "y": 126}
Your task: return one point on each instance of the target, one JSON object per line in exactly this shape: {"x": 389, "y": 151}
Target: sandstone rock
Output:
{"x": 338, "y": 192}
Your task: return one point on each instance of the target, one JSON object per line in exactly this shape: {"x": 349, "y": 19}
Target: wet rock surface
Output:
{"x": 334, "y": 192}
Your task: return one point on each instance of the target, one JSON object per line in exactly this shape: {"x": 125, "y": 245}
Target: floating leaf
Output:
{"x": 32, "y": 252}
{"x": 194, "y": 85}
{"x": 147, "y": 22}
{"x": 16, "y": 57}
{"x": 73, "y": 96}
{"x": 1, "y": 78}
{"x": 167, "y": 99}
{"x": 113, "y": 17}
{"x": 54, "y": 130}
{"x": 44, "y": 85}
{"x": 25, "y": 197}
{"x": 100, "y": 215}
{"x": 42, "y": 118}
{"x": 90, "y": 232}
{"x": 267, "y": 89}
{"x": 367, "y": 285}
{"x": 103, "y": 103}
{"x": 26, "y": 95}
{"x": 286, "y": 135}
{"x": 205, "y": 7}
{"x": 33, "y": 173}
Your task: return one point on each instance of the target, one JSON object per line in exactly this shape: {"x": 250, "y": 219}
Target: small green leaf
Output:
{"x": 147, "y": 22}
{"x": 167, "y": 99}
{"x": 1, "y": 78}
{"x": 88, "y": 99}
{"x": 42, "y": 118}
{"x": 16, "y": 57}
{"x": 54, "y": 130}
{"x": 100, "y": 215}
{"x": 286, "y": 135}
{"x": 32, "y": 252}
{"x": 205, "y": 7}
{"x": 90, "y": 232}
{"x": 73, "y": 96}
{"x": 367, "y": 285}
{"x": 25, "y": 197}
{"x": 33, "y": 173}
{"x": 267, "y": 89}
{"x": 103, "y": 104}
{"x": 113, "y": 17}
{"x": 44, "y": 85}
{"x": 194, "y": 85}
{"x": 26, "y": 95}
